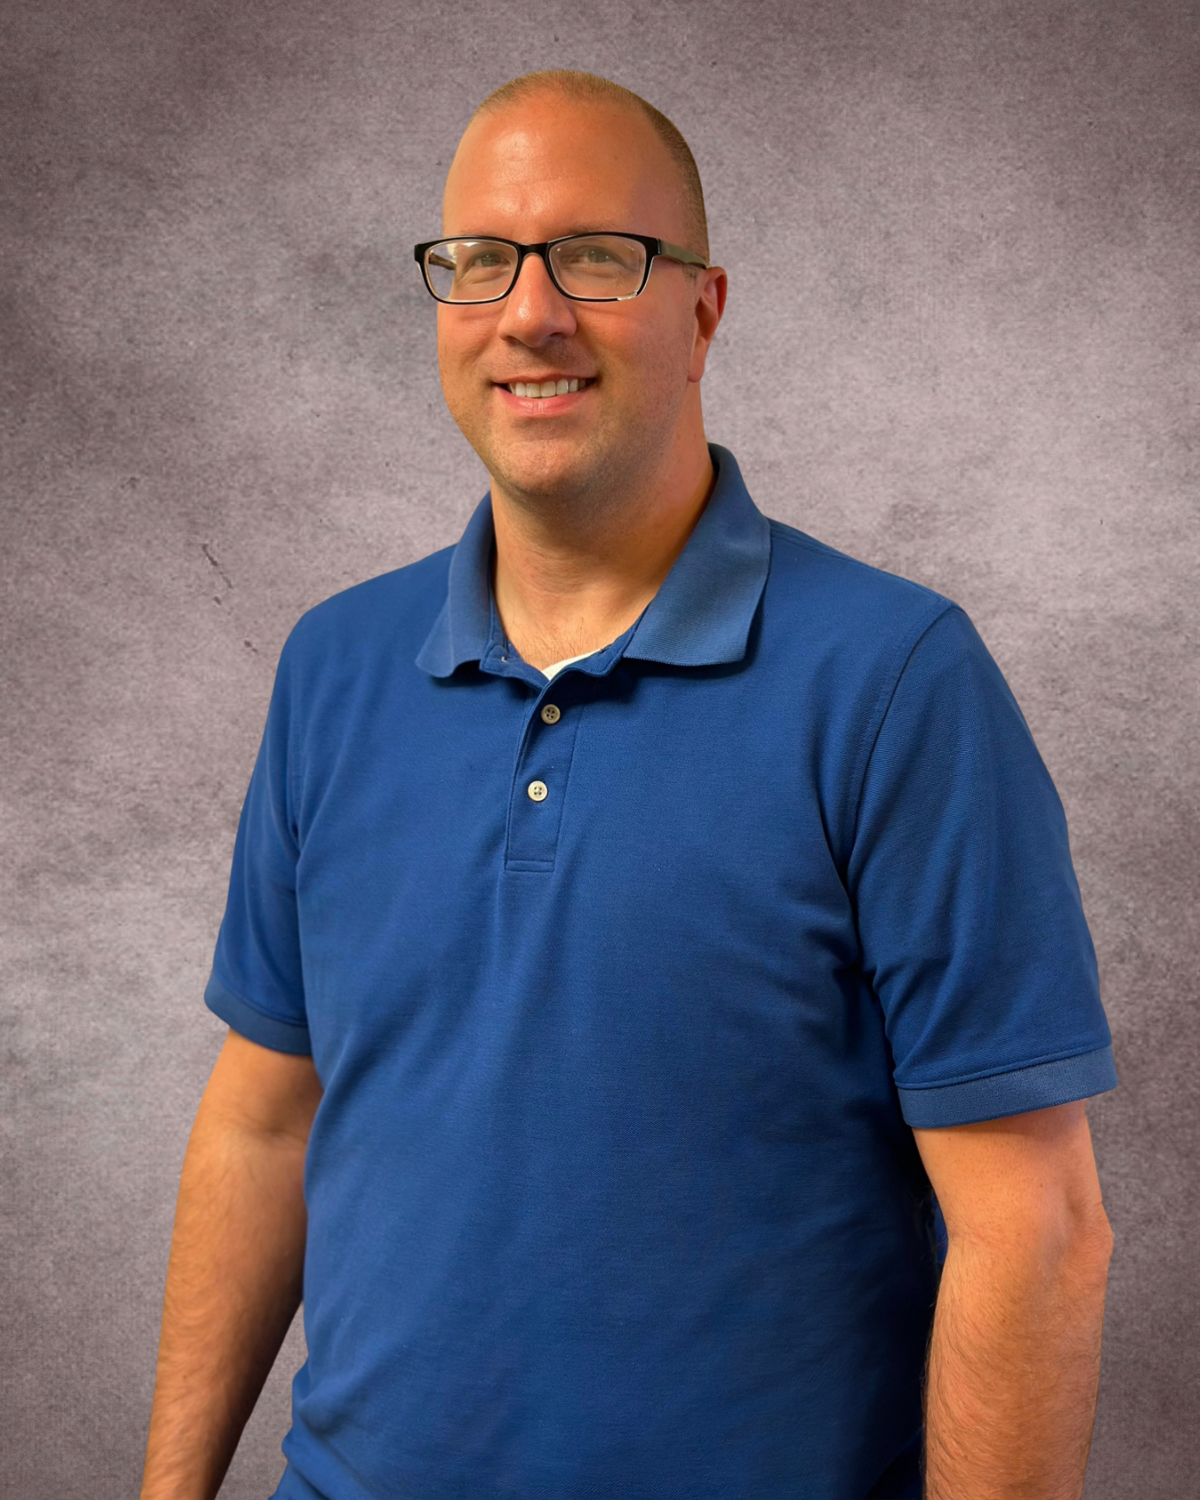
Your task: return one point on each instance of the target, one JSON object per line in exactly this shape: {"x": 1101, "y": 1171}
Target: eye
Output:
{"x": 587, "y": 255}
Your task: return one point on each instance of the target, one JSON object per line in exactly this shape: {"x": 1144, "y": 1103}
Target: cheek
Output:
{"x": 449, "y": 356}
{"x": 655, "y": 355}
{"x": 459, "y": 349}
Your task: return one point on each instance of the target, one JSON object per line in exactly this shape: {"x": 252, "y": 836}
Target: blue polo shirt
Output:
{"x": 625, "y": 989}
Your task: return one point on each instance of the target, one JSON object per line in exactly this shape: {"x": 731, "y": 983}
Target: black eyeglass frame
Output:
{"x": 654, "y": 249}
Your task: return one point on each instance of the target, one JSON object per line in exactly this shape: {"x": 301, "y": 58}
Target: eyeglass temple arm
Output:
{"x": 688, "y": 257}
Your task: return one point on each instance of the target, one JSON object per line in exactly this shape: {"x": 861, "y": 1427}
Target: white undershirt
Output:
{"x": 557, "y": 666}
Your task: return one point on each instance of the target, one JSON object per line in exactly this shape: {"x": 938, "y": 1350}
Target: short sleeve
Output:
{"x": 257, "y": 985}
{"x": 969, "y": 913}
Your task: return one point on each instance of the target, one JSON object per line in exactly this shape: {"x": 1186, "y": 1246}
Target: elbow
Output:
{"x": 1095, "y": 1238}
{"x": 1058, "y": 1238}
{"x": 1083, "y": 1252}
{"x": 1074, "y": 1219}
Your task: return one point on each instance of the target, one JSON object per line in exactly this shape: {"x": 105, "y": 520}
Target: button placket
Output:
{"x": 539, "y": 788}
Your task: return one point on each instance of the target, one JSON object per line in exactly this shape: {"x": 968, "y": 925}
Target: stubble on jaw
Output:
{"x": 590, "y": 478}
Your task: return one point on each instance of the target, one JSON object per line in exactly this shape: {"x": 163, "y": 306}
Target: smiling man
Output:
{"x": 595, "y": 491}
{"x": 642, "y": 916}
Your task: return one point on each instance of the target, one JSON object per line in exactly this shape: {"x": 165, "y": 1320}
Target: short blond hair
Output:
{"x": 592, "y": 89}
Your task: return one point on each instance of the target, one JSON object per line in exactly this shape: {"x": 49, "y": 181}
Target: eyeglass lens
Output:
{"x": 598, "y": 266}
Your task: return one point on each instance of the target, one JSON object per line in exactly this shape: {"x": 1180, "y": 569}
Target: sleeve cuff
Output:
{"x": 280, "y": 1036}
{"x": 1013, "y": 1093}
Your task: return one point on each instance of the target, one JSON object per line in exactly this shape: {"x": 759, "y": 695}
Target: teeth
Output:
{"x": 540, "y": 389}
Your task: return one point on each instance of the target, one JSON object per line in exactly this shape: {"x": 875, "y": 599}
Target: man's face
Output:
{"x": 537, "y": 170}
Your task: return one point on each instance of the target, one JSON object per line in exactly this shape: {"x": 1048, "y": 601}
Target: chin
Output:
{"x": 548, "y": 470}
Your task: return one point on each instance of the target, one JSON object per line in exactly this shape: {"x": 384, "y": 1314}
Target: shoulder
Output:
{"x": 394, "y": 610}
{"x": 832, "y": 598}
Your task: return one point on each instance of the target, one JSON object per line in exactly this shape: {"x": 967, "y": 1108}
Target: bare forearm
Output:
{"x": 1013, "y": 1370}
{"x": 233, "y": 1285}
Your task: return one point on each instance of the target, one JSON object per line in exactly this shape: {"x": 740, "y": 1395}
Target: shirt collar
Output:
{"x": 700, "y": 616}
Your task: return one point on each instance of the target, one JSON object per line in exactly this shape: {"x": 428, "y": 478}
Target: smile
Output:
{"x": 540, "y": 390}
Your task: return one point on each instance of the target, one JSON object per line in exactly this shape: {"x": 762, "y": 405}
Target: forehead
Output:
{"x": 550, "y": 166}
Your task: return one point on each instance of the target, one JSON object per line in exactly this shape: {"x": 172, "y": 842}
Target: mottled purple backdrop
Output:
{"x": 221, "y": 405}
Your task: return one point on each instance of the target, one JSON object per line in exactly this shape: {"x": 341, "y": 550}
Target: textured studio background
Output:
{"x": 221, "y": 405}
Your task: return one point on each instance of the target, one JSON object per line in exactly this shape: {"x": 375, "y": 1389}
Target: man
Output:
{"x": 636, "y": 908}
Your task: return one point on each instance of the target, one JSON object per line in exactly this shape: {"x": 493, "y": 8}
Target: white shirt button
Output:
{"x": 551, "y": 713}
{"x": 538, "y": 791}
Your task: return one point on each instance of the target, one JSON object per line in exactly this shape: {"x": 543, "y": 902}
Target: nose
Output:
{"x": 535, "y": 309}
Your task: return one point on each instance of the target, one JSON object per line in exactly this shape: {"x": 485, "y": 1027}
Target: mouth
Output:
{"x": 553, "y": 387}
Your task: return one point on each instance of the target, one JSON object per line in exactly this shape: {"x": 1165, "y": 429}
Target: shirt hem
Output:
{"x": 1016, "y": 1092}
{"x": 293, "y": 1486}
{"x": 247, "y": 1021}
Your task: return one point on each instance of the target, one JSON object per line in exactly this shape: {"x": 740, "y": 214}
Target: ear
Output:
{"x": 711, "y": 290}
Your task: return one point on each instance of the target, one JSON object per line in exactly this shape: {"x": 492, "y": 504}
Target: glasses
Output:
{"x": 584, "y": 267}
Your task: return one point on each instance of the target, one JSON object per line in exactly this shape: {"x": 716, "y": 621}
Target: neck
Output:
{"x": 570, "y": 579}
